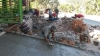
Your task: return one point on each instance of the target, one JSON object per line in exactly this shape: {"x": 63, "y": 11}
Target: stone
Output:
{"x": 65, "y": 42}
{"x": 72, "y": 43}
{"x": 96, "y": 43}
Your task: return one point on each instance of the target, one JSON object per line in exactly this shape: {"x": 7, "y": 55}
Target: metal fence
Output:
{"x": 10, "y": 11}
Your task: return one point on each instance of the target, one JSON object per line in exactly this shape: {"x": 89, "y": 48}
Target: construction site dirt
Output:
{"x": 65, "y": 34}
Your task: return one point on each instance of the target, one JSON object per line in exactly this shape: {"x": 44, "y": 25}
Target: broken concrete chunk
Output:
{"x": 96, "y": 43}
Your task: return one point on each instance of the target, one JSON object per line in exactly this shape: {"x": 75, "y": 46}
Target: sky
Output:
{"x": 62, "y": 1}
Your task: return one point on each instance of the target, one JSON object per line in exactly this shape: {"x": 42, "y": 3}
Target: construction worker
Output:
{"x": 48, "y": 31}
{"x": 37, "y": 14}
{"x": 79, "y": 16}
{"x": 23, "y": 27}
{"x": 32, "y": 11}
{"x": 46, "y": 10}
{"x": 50, "y": 13}
{"x": 56, "y": 11}
{"x": 54, "y": 15}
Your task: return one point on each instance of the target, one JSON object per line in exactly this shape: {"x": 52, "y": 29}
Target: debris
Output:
{"x": 2, "y": 33}
{"x": 67, "y": 41}
{"x": 78, "y": 26}
{"x": 85, "y": 38}
{"x": 96, "y": 43}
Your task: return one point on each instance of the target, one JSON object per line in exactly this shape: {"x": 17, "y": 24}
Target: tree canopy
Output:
{"x": 80, "y": 6}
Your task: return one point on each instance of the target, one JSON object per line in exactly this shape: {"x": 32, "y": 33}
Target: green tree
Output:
{"x": 89, "y": 6}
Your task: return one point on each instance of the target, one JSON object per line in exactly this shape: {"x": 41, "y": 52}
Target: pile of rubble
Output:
{"x": 63, "y": 24}
{"x": 68, "y": 37}
{"x": 69, "y": 34}
{"x": 64, "y": 33}
{"x": 92, "y": 28}
{"x": 37, "y": 25}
